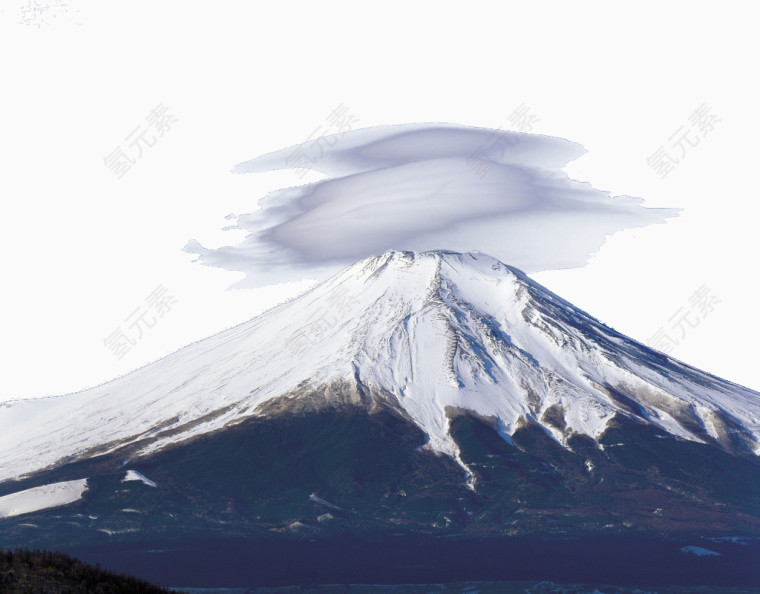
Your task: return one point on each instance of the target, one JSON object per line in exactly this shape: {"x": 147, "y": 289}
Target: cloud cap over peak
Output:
{"x": 423, "y": 187}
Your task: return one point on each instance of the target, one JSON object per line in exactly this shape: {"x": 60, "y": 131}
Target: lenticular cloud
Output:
{"x": 424, "y": 187}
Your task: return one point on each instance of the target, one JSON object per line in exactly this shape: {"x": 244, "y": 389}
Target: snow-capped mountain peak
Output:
{"x": 429, "y": 333}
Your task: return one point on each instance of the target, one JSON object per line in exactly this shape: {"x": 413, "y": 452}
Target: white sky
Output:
{"x": 82, "y": 249}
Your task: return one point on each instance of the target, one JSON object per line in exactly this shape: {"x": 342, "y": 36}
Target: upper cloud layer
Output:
{"x": 423, "y": 187}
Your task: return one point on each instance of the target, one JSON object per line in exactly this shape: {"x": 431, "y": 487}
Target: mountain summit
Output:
{"x": 428, "y": 333}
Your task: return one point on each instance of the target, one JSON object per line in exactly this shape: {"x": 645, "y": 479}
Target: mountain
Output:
{"x": 435, "y": 395}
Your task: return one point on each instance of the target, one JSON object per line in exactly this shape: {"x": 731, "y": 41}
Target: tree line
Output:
{"x": 49, "y": 572}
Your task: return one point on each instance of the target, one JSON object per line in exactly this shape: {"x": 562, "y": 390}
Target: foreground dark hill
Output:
{"x": 449, "y": 419}
{"x": 23, "y": 571}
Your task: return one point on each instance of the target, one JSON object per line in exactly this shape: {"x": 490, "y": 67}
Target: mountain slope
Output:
{"x": 430, "y": 332}
{"x": 415, "y": 408}
{"x": 345, "y": 492}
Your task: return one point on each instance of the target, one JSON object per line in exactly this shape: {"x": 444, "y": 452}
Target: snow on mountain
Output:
{"x": 429, "y": 332}
{"x": 133, "y": 475}
{"x": 42, "y": 497}
{"x": 699, "y": 551}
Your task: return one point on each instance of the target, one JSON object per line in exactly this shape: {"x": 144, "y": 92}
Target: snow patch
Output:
{"x": 43, "y": 497}
{"x": 699, "y": 551}
{"x": 313, "y": 497}
{"x": 133, "y": 475}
